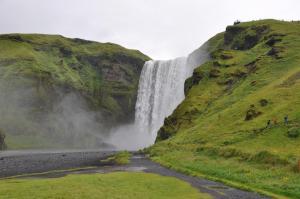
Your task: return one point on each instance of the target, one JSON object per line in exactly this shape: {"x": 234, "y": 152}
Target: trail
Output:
{"x": 32, "y": 164}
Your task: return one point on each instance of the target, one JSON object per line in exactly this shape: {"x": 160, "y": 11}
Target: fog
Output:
{"x": 161, "y": 29}
{"x": 35, "y": 117}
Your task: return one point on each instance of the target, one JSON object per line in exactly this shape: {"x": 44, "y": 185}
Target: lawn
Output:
{"x": 91, "y": 186}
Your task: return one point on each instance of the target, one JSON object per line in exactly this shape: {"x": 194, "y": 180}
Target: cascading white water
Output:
{"x": 161, "y": 89}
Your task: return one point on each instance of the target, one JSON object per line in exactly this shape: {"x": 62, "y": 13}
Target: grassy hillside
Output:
{"x": 38, "y": 71}
{"x": 220, "y": 130}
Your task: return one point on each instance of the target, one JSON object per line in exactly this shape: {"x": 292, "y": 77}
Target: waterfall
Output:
{"x": 161, "y": 89}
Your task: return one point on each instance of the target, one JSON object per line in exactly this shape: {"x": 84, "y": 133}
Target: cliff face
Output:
{"x": 252, "y": 77}
{"x": 42, "y": 74}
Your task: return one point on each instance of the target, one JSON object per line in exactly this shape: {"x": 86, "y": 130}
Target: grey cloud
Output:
{"x": 160, "y": 28}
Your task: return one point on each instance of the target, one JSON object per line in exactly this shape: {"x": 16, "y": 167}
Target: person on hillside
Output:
{"x": 286, "y": 120}
{"x": 269, "y": 124}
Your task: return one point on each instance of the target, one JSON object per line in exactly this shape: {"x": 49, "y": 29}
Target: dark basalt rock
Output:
{"x": 65, "y": 52}
{"x": 231, "y": 32}
{"x": 243, "y": 38}
{"x": 13, "y": 37}
{"x": 167, "y": 130}
{"x": 81, "y": 41}
{"x": 271, "y": 42}
{"x": 216, "y": 64}
{"x": 263, "y": 102}
{"x": 251, "y": 66}
{"x": 252, "y": 113}
{"x": 274, "y": 52}
{"x": 238, "y": 73}
{"x": 213, "y": 73}
{"x": 194, "y": 80}
{"x": 225, "y": 56}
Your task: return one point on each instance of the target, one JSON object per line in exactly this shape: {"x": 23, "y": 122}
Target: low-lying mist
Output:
{"x": 34, "y": 116}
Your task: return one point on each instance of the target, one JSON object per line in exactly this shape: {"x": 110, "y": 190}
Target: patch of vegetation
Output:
{"x": 113, "y": 185}
{"x": 120, "y": 158}
{"x": 293, "y": 132}
{"x": 221, "y": 129}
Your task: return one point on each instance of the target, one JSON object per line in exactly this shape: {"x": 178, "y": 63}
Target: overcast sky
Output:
{"x": 162, "y": 29}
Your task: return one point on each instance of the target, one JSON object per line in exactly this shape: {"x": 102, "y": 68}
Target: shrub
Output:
{"x": 213, "y": 73}
{"x": 268, "y": 158}
{"x": 263, "y": 102}
{"x": 252, "y": 113}
{"x": 293, "y": 132}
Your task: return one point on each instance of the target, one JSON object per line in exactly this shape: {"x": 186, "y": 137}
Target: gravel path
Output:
{"x": 16, "y": 163}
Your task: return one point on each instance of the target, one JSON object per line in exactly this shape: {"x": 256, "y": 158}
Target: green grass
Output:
{"x": 210, "y": 135}
{"x": 113, "y": 185}
{"x": 120, "y": 158}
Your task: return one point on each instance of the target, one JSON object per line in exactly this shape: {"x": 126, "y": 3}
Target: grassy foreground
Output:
{"x": 220, "y": 129}
{"x": 113, "y": 185}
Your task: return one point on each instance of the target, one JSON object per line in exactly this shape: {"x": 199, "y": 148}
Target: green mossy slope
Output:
{"x": 220, "y": 129}
{"x": 106, "y": 75}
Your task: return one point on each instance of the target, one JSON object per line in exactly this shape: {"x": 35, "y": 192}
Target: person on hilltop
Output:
{"x": 286, "y": 120}
{"x": 269, "y": 124}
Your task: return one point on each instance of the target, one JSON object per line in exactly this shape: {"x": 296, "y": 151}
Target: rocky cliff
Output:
{"x": 46, "y": 78}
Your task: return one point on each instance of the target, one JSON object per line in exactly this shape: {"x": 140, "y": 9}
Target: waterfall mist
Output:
{"x": 35, "y": 117}
{"x": 161, "y": 89}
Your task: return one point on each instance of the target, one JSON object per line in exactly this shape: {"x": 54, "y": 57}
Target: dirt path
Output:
{"x": 12, "y": 164}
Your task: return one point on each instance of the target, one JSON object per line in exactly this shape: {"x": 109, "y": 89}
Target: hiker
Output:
{"x": 269, "y": 123}
{"x": 286, "y": 120}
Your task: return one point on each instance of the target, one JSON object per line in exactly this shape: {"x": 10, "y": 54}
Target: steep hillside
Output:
{"x": 221, "y": 128}
{"x": 47, "y": 79}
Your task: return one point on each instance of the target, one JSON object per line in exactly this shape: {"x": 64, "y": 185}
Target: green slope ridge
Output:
{"x": 220, "y": 129}
{"x": 43, "y": 69}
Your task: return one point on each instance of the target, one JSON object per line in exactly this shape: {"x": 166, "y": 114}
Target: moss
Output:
{"x": 268, "y": 158}
{"x": 293, "y": 132}
{"x": 195, "y": 79}
{"x": 120, "y": 158}
{"x": 252, "y": 113}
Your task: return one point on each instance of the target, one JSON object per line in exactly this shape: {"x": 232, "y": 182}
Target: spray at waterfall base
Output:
{"x": 161, "y": 89}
